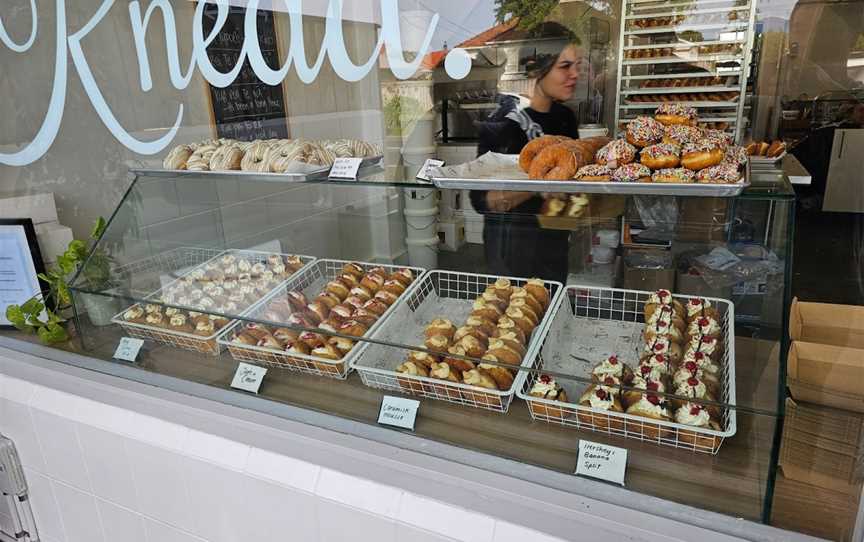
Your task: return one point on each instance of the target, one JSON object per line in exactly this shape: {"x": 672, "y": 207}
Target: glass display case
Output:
{"x": 315, "y": 280}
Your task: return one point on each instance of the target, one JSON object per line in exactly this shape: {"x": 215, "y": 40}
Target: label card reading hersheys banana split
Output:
{"x": 603, "y": 462}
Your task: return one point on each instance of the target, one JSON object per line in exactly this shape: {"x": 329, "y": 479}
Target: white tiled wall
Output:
{"x": 101, "y": 474}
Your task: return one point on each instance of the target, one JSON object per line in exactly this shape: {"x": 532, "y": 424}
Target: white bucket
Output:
{"x": 415, "y": 158}
{"x": 423, "y": 252}
{"x": 421, "y": 199}
{"x": 422, "y": 223}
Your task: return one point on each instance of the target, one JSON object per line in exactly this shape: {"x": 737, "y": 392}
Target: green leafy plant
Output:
{"x": 42, "y": 313}
{"x": 530, "y": 13}
{"x": 401, "y": 113}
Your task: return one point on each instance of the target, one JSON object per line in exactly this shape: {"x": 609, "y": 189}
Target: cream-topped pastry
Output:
{"x": 546, "y": 387}
{"x": 177, "y": 320}
{"x": 697, "y": 305}
{"x": 701, "y": 361}
{"x": 704, "y": 326}
{"x": 154, "y": 318}
{"x": 652, "y": 372}
{"x": 244, "y": 265}
{"x": 258, "y": 269}
{"x": 602, "y": 398}
{"x": 278, "y": 269}
{"x": 649, "y": 382}
{"x": 228, "y": 259}
{"x": 171, "y": 311}
{"x": 657, "y": 362}
{"x": 660, "y": 297}
{"x": 660, "y": 345}
{"x": 651, "y": 405}
{"x": 611, "y": 366}
{"x": 133, "y": 313}
{"x": 693, "y": 415}
{"x": 692, "y": 387}
{"x": 150, "y": 308}
{"x": 705, "y": 344}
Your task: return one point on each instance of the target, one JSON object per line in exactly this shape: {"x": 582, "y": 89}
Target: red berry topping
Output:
{"x": 662, "y": 293}
{"x": 653, "y": 386}
{"x": 660, "y": 358}
{"x": 645, "y": 369}
{"x": 601, "y": 394}
{"x": 613, "y": 360}
{"x": 695, "y": 301}
{"x": 659, "y": 347}
{"x": 703, "y": 322}
{"x": 699, "y": 355}
{"x": 695, "y": 410}
{"x": 707, "y": 340}
{"x": 661, "y": 323}
{"x": 653, "y": 399}
{"x": 693, "y": 381}
{"x": 545, "y": 379}
{"x": 691, "y": 366}
{"x": 609, "y": 381}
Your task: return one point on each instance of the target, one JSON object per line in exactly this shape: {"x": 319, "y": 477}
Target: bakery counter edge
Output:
{"x": 561, "y": 505}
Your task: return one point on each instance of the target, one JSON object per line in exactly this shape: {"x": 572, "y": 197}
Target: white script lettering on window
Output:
{"x": 457, "y": 65}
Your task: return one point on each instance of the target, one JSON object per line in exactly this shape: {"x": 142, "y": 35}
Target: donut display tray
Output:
{"x": 441, "y": 294}
{"x": 309, "y": 173}
{"x": 310, "y": 281}
{"x": 190, "y": 341}
{"x": 594, "y": 323}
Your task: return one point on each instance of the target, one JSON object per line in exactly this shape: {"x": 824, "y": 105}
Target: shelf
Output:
{"x": 681, "y": 44}
{"x": 677, "y": 90}
{"x": 686, "y": 11}
{"x": 679, "y": 60}
{"x": 698, "y": 105}
{"x": 678, "y": 76}
{"x": 727, "y": 26}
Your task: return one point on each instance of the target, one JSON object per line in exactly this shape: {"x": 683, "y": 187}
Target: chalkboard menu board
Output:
{"x": 248, "y": 108}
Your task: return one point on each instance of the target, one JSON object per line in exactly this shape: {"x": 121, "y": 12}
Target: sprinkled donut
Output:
{"x": 675, "y": 113}
{"x": 679, "y": 134}
{"x": 594, "y": 173}
{"x": 736, "y": 155}
{"x": 673, "y": 175}
{"x": 724, "y": 173}
{"x": 617, "y": 153}
{"x": 701, "y": 154}
{"x": 644, "y": 131}
{"x": 661, "y": 156}
{"x": 533, "y": 148}
{"x": 632, "y": 173}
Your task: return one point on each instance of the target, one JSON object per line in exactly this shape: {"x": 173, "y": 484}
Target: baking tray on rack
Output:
{"x": 594, "y": 323}
{"x": 311, "y": 174}
{"x": 310, "y": 281}
{"x": 191, "y": 341}
{"x": 441, "y": 294}
{"x": 570, "y": 187}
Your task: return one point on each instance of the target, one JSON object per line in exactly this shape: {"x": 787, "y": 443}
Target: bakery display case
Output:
{"x": 213, "y": 269}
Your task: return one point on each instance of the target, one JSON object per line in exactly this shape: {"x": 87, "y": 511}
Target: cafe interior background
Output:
{"x": 790, "y": 240}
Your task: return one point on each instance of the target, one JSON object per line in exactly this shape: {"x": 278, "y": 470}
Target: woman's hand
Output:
{"x": 502, "y": 201}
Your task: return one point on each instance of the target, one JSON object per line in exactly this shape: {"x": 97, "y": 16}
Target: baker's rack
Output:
{"x": 721, "y": 49}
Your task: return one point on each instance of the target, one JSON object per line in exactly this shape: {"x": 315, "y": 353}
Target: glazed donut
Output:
{"x": 226, "y": 158}
{"x": 679, "y": 134}
{"x": 255, "y": 157}
{"x": 673, "y": 175}
{"x": 594, "y": 173}
{"x": 643, "y": 131}
{"x": 558, "y": 162}
{"x": 672, "y": 113}
{"x": 615, "y": 154}
{"x": 724, "y": 173}
{"x": 281, "y": 157}
{"x": 632, "y": 173}
{"x": 700, "y": 155}
{"x": 178, "y": 157}
{"x": 661, "y": 156}
{"x": 533, "y": 148}
{"x": 200, "y": 159}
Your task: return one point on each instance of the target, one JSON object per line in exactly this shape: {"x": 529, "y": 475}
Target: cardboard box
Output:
{"x": 826, "y": 323}
{"x": 827, "y": 375}
{"x": 823, "y": 446}
{"x": 38, "y": 207}
{"x": 648, "y": 269}
{"x": 703, "y": 219}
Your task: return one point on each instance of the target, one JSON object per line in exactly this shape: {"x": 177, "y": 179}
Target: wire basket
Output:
{"x": 594, "y": 323}
{"x": 188, "y": 260}
{"x": 441, "y": 294}
{"x": 310, "y": 282}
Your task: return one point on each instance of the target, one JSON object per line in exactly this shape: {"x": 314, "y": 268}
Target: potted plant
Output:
{"x": 47, "y": 312}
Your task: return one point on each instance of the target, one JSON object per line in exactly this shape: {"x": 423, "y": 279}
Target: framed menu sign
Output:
{"x": 20, "y": 264}
{"x": 248, "y": 108}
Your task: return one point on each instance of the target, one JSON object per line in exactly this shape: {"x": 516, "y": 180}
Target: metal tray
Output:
{"x": 441, "y": 294}
{"x": 643, "y": 189}
{"x": 314, "y": 174}
{"x": 594, "y": 323}
{"x": 190, "y": 341}
{"x": 310, "y": 281}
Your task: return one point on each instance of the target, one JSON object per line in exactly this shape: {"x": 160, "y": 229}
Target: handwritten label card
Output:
{"x": 426, "y": 171}
{"x": 398, "y": 412}
{"x": 601, "y": 461}
{"x": 128, "y": 349}
{"x": 248, "y": 377}
{"x": 345, "y": 168}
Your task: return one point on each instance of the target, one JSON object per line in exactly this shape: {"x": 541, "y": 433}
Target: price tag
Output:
{"x": 128, "y": 349}
{"x": 426, "y": 170}
{"x": 248, "y": 377}
{"x": 602, "y": 462}
{"x": 345, "y": 168}
{"x": 398, "y": 412}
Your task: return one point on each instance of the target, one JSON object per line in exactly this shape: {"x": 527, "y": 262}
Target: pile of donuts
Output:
{"x": 497, "y": 330}
{"x": 765, "y": 149}
{"x": 264, "y": 155}
{"x": 349, "y": 305}
{"x": 668, "y": 148}
{"x": 557, "y": 158}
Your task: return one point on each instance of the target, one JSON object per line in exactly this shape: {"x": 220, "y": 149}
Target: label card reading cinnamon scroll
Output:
{"x": 345, "y": 168}
{"x": 603, "y": 462}
{"x": 398, "y": 412}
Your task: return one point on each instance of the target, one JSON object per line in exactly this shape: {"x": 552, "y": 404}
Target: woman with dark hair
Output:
{"x": 515, "y": 244}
